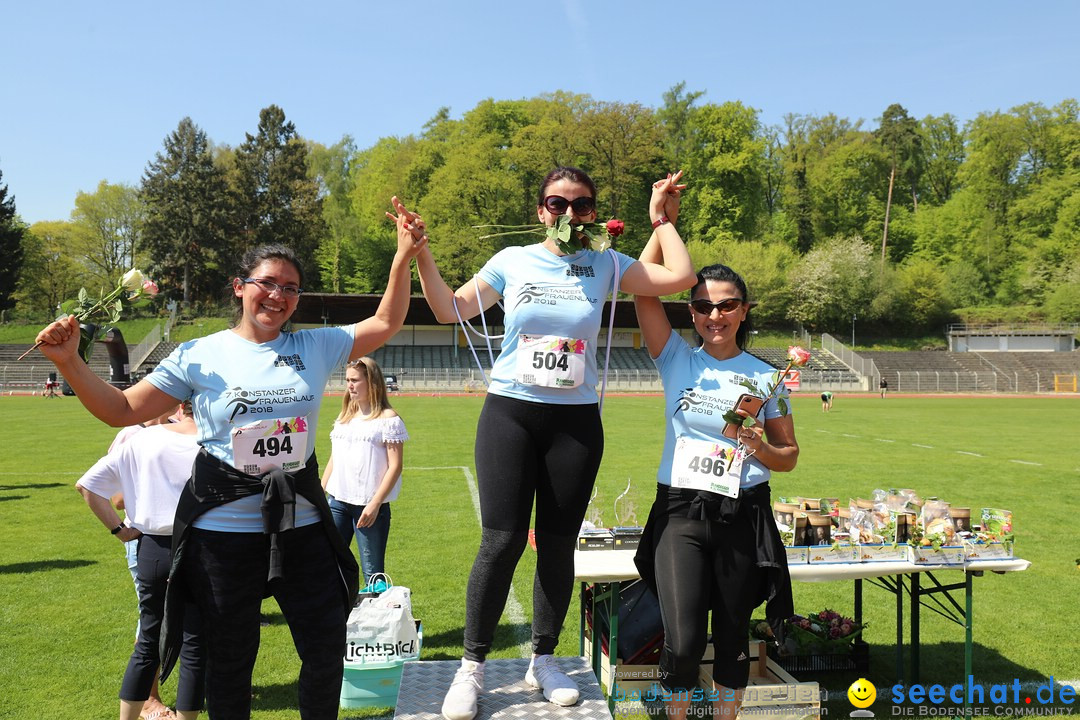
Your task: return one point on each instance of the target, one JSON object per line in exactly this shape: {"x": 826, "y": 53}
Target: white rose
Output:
{"x": 132, "y": 280}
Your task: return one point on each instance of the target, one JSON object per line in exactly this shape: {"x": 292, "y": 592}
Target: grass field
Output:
{"x": 68, "y": 611}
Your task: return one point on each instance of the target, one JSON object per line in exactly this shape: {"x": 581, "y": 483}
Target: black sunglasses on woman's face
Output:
{"x": 705, "y": 307}
{"x": 557, "y": 205}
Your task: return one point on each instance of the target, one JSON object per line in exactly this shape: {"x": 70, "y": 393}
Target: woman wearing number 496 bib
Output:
{"x": 253, "y": 520}
{"x": 539, "y": 434}
{"x": 711, "y": 543}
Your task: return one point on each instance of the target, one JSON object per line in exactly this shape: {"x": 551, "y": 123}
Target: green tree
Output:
{"x": 898, "y": 134}
{"x": 50, "y": 273}
{"x": 184, "y": 194}
{"x": 725, "y": 198}
{"x": 831, "y": 283}
{"x": 331, "y": 167}
{"x": 109, "y": 224}
{"x": 11, "y": 247}
{"x": 763, "y": 266}
{"x": 943, "y": 149}
{"x": 674, "y": 117}
{"x": 274, "y": 199}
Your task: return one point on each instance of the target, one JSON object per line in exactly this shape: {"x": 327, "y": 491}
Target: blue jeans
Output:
{"x": 371, "y": 541}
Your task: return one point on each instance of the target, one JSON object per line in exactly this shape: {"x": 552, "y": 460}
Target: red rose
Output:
{"x": 615, "y": 228}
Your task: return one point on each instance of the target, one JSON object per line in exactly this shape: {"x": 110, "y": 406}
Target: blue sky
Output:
{"x": 90, "y": 90}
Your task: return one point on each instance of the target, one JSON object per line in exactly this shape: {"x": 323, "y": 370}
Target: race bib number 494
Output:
{"x": 270, "y": 443}
{"x": 550, "y": 361}
{"x": 704, "y": 465}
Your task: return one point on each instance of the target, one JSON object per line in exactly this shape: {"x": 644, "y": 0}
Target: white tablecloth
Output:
{"x": 606, "y": 566}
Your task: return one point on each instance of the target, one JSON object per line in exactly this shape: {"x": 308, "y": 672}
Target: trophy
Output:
{"x": 627, "y": 532}
{"x": 593, "y": 534}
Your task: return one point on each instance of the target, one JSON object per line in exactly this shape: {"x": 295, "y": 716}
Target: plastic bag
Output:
{"x": 382, "y": 629}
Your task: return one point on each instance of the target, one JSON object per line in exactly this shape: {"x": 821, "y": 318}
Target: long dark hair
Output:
{"x": 565, "y": 172}
{"x": 252, "y": 259}
{"x": 722, "y": 273}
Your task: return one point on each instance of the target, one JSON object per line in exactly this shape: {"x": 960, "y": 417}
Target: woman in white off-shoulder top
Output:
{"x": 364, "y": 472}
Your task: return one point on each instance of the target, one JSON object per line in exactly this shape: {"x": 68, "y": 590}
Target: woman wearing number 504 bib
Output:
{"x": 253, "y": 520}
{"x": 539, "y": 434}
{"x": 704, "y": 551}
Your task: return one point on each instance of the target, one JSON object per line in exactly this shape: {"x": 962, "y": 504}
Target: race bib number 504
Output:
{"x": 270, "y": 443}
{"x": 550, "y": 361}
{"x": 704, "y": 465}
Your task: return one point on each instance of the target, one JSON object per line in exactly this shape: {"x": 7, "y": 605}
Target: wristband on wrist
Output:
{"x": 117, "y": 529}
{"x": 661, "y": 221}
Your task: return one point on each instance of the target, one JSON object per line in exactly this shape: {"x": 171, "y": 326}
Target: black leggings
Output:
{"x": 526, "y": 450}
{"x": 702, "y": 565}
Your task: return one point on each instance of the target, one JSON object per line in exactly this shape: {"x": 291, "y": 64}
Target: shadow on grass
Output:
{"x": 32, "y": 486}
{"x": 43, "y": 566}
{"x": 5, "y": 498}
{"x": 447, "y": 645}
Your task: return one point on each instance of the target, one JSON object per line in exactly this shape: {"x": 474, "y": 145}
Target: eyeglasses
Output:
{"x": 289, "y": 291}
{"x": 557, "y": 205}
{"x": 705, "y": 307}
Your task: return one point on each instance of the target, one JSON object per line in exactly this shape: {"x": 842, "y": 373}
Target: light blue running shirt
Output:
{"x": 232, "y": 382}
{"x": 698, "y": 390}
{"x": 548, "y": 294}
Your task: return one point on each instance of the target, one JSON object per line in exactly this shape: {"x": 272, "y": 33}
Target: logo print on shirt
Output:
{"x": 552, "y": 294}
{"x": 292, "y": 361}
{"x": 241, "y": 401}
{"x": 580, "y": 271}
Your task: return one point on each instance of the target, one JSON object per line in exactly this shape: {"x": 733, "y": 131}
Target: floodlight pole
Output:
{"x": 853, "y": 331}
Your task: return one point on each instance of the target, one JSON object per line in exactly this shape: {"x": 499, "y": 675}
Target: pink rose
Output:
{"x": 798, "y": 356}
{"x": 150, "y": 287}
{"x": 615, "y": 228}
{"x": 834, "y": 632}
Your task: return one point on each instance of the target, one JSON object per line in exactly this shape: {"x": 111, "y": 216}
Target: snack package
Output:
{"x": 863, "y": 530}
{"x": 936, "y": 523}
{"x": 996, "y": 524}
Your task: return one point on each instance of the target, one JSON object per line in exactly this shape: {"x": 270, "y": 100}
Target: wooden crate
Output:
{"x": 771, "y": 693}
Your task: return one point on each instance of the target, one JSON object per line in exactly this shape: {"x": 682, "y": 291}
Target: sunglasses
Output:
{"x": 705, "y": 307}
{"x": 557, "y": 204}
{"x": 269, "y": 286}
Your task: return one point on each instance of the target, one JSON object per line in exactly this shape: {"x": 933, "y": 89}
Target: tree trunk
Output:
{"x": 888, "y": 205}
{"x": 914, "y": 201}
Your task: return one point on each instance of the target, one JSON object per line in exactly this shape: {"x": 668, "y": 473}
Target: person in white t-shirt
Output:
{"x": 363, "y": 474}
{"x": 539, "y": 437}
{"x": 150, "y": 469}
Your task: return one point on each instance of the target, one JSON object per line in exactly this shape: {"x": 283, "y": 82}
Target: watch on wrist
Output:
{"x": 117, "y": 529}
{"x": 662, "y": 220}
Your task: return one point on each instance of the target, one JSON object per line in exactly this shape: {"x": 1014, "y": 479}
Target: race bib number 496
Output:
{"x": 704, "y": 465}
{"x": 270, "y": 443}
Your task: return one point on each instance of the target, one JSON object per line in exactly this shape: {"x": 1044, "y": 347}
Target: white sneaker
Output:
{"x": 544, "y": 674}
{"x": 460, "y": 700}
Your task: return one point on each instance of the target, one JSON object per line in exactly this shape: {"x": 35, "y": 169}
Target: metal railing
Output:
{"x": 142, "y": 351}
{"x": 1014, "y": 328}
{"x": 861, "y": 366}
{"x": 955, "y": 381}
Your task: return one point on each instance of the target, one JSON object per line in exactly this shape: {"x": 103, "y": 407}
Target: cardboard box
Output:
{"x": 988, "y": 551}
{"x": 885, "y": 552}
{"x": 595, "y": 540}
{"x": 827, "y": 554}
{"x": 771, "y": 692}
{"x": 797, "y": 555}
{"x": 626, "y": 538}
{"x": 927, "y": 555}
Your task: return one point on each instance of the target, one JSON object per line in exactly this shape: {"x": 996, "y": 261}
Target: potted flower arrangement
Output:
{"x": 823, "y": 640}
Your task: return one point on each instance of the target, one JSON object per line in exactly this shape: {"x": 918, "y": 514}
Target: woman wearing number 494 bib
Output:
{"x": 539, "y": 434}
{"x": 711, "y": 543}
{"x": 253, "y": 520}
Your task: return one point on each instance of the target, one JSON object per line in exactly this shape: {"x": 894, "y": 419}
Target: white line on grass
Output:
{"x": 884, "y": 440}
{"x": 965, "y": 452}
{"x": 850, "y": 435}
{"x": 827, "y": 432}
{"x": 1025, "y": 462}
{"x": 514, "y": 610}
{"x": 928, "y": 447}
